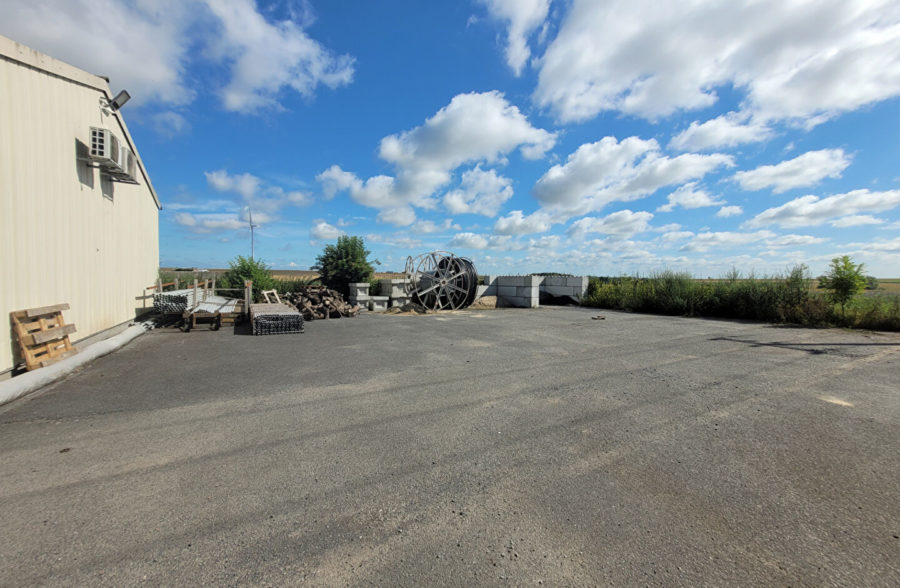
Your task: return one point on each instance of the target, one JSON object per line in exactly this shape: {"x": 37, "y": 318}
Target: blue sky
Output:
{"x": 580, "y": 136}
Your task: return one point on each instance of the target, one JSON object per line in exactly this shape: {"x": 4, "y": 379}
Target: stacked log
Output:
{"x": 319, "y": 302}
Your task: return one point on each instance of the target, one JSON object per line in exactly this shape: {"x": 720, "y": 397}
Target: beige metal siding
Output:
{"x": 65, "y": 234}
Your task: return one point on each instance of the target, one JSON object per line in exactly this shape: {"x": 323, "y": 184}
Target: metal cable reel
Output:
{"x": 441, "y": 281}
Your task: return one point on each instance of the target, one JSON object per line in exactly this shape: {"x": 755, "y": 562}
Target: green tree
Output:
{"x": 246, "y": 268}
{"x": 844, "y": 281}
{"x": 344, "y": 263}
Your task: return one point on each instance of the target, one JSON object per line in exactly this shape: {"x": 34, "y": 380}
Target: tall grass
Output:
{"x": 784, "y": 298}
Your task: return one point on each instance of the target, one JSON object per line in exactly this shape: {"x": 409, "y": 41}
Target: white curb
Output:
{"x": 29, "y": 382}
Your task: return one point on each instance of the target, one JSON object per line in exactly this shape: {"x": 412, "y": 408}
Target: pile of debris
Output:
{"x": 319, "y": 302}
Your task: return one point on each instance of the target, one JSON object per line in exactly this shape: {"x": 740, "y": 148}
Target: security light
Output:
{"x": 120, "y": 100}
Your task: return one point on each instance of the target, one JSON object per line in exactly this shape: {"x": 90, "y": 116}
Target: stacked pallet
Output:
{"x": 274, "y": 319}
{"x": 43, "y": 335}
{"x": 319, "y": 302}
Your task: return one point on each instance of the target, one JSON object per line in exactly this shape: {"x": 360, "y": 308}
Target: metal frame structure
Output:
{"x": 440, "y": 280}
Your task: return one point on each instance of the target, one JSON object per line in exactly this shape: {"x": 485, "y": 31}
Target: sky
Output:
{"x": 579, "y": 136}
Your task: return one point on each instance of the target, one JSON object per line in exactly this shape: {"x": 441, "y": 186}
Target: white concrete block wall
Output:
{"x": 525, "y": 291}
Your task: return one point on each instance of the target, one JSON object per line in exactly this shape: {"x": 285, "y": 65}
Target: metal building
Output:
{"x": 79, "y": 219}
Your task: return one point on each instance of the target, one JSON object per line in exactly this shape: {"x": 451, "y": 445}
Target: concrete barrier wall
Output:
{"x": 525, "y": 291}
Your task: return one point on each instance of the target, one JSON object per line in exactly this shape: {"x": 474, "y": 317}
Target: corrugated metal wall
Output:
{"x": 66, "y": 235}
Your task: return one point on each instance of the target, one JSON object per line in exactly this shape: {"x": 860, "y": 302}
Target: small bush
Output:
{"x": 844, "y": 281}
{"x": 244, "y": 268}
{"x": 284, "y": 286}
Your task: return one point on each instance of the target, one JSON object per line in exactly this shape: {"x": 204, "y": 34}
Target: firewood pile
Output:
{"x": 319, "y": 302}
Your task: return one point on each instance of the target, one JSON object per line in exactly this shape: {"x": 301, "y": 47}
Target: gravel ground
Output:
{"x": 492, "y": 447}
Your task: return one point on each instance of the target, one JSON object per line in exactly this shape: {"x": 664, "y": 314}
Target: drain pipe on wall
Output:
{"x": 30, "y": 381}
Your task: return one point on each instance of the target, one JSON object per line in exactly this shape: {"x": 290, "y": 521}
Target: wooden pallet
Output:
{"x": 43, "y": 335}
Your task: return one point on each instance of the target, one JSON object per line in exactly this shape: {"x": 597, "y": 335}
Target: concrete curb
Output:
{"x": 29, "y": 382}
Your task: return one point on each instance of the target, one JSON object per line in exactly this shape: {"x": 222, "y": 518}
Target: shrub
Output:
{"x": 344, "y": 263}
{"x": 245, "y": 268}
{"x": 844, "y": 281}
{"x": 285, "y": 286}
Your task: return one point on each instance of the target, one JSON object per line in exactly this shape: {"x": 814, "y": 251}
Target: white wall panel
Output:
{"x": 61, "y": 238}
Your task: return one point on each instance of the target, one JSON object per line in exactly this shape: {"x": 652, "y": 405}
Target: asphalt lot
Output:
{"x": 518, "y": 447}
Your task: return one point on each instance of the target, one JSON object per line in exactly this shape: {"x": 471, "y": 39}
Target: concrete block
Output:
{"x": 554, "y": 281}
{"x": 399, "y": 300}
{"x": 522, "y": 302}
{"x": 393, "y": 287}
{"x": 361, "y": 299}
{"x": 506, "y": 291}
{"x": 534, "y": 280}
{"x": 378, "y": 303}
{"x": 528, "y": 291}
{"x": 485, "y": 291}
{"x": 511, "y": 281}
{"x": 579, "y": 282}
{"x": 359, "y": 288}
{"x": 558, "y": 290}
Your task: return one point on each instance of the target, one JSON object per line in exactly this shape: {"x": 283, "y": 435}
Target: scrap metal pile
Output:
{"x": 319, "y": 302}
{"x": 441, "y": 281}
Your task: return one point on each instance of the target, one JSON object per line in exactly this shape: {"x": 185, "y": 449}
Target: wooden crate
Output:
{"x": 43, "y": 335}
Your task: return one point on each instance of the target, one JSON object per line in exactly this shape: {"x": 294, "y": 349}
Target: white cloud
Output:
{"x": 522, "y": 17}
{"x": 395, "y": 240}
{"x": 855, "y": 221}
{"x": 148, "y": 46}
{"x": 469, "y": 241}
{"x": 427, "y": 226}
{"x": 609, "y": 170}
{"x": 892, "y": 246}
{"x": 138, "y": 45}
{"x": 170, "y": 124}
{"x": 725, "y": 239}
{"x": 247, "y": 185}
{"x": 795, "y": 241}
{"x": 624, "y": 223}
{"x": 211, "y": 222}
{"x": 728, "y": 130}
{"x": 688, "y": 196}
{"x": 400, "y": 216}
{"x": 322, "y": 231}
{"x": 727, "y": 211}
{"x": 516, "y": 223}
{"x": 811, "y": 210}
{"x": 255, "y": 193}
{"x": 804, "y": 170}
{"x": 794, "y": 59}
{"x": 495, "y": 242}
{"x": 675, "y": 236}
{"x": 480, "y": 192}
{"x": 268, "y": 57}
{"x": 472, "y": 128}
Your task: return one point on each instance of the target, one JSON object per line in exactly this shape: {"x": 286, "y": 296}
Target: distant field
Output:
{"x": 277, "y": 273}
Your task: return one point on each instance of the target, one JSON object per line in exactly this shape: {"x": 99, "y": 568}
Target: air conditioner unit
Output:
{"x": 105, "y": 149}
{"x": 127, "y": 162}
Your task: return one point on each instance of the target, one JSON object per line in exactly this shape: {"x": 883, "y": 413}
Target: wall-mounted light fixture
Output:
{"x": 120, "y": 100}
